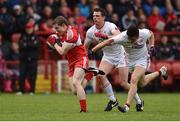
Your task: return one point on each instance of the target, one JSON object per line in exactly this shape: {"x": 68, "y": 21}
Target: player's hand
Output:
{"x": 152, "y": 51}
{"x": 52, "y": 40}
{"x": 90, "y": 52}
{"x": 101, "y": 35}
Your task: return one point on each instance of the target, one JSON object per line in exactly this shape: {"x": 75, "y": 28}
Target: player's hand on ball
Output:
{"x": 52, "y": 40}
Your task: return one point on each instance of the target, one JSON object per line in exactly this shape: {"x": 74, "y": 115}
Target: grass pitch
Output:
{"x": 158, "y": 106}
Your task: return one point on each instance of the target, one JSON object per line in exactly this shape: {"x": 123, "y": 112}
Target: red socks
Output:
{"x": 89, "y": 76}
{"x": 83, "y": 105}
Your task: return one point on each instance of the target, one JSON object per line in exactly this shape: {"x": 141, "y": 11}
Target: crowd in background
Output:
{"x": 157, "y": 15}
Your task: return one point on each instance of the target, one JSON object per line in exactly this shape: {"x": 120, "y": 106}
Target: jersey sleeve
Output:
{"x": 113, "y": 27}
{"x": 119, "y": 39}
{"x": 72, "y": 36}
{"x": 89, "y": 37}
{"x": 146, "y": 33}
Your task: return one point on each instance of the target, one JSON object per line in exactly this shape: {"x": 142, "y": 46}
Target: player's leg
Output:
{"x": 71, "y": 85}
{"x": 84, "y": 83}
{"x": 123, "y": 76}
{"x": 89, "y": 73}
{"x": 150, "y": 77}
{"x": 106, "y": 85}
{"x": 144, "y": 63}
{"x": 137, "y": 74}
{"x": 78, "y": 77}
{"x": 71, "y": 72}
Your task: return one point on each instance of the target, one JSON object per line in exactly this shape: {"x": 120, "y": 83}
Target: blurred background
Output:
{"x": 160, "y": 16}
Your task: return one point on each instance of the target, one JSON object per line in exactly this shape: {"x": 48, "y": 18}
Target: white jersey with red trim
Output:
{"x": 135, "y": 50}
{"x": 108, "y": 28}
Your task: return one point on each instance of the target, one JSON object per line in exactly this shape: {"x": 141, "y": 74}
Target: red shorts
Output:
{"x": 81, "y": 63}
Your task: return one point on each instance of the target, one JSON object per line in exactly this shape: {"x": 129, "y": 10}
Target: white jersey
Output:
{"x": 108, "y": 28}
{"x": 135, "y": 50}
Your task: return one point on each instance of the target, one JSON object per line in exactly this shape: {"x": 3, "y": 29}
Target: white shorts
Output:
{"x": 142, "y": 62}
{"x": 117, "y": 61}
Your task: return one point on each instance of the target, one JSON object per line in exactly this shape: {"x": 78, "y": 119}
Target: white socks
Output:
{"x": 137, "y": 99}
{"x": 109, "y": 92}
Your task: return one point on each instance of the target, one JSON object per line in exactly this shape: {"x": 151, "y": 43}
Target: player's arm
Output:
{"x": 89, "y": 40}
{"x": 118, "y": 39}
{"x": 87, "y": 43}
{"x": 55, "y": 43}
{"x": 151, "y": 39}
{"x": 102, "y": 44}
{"x": 62, "y": 50}
{"x": 114, "y": 31}
{"x": 107, "y": 39}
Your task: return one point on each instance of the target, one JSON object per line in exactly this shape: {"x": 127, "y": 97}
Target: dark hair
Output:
{"x": 103, "y": 12}
{"x": 133, "y": 31}
{"x": 60, "y": 20}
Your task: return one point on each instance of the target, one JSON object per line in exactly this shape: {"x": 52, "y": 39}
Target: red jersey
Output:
{"x": 78, "y": 51}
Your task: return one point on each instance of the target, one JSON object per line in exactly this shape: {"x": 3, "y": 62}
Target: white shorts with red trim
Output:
{"x": 117, "y": 60}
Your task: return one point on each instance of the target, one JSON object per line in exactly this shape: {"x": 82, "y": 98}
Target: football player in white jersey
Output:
{"x": 113, "y": 57}
{"x": 134, "y": 41}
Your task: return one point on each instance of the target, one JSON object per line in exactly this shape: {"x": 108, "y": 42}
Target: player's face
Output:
{"x": 61, "y": 29}
{"x": 98, "y": 18}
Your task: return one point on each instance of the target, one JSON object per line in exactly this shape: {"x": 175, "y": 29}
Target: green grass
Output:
{"x": 158, "y": 106}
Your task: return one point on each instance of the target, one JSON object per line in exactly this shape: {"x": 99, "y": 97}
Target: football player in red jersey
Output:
{"x": 67, "y": 42}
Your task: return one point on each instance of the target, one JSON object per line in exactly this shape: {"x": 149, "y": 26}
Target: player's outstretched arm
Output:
{"x": 116, "y": 37}
{"x": 102, "y": 44}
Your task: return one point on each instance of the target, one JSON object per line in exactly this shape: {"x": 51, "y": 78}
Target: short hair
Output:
{"x": 133, "y": 31}
{"x": 103, "y": 12}
{"x": 60, "y": 20}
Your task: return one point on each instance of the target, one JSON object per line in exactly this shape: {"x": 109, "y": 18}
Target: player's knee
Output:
{"x": 76, "y": 84}
{"x": 77, "y": 78}
{"x": 73, "y": 89}
{"x": 103, "y": 80}
{"x": 134, "y": 80}
{"x": 133, "y": 86}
